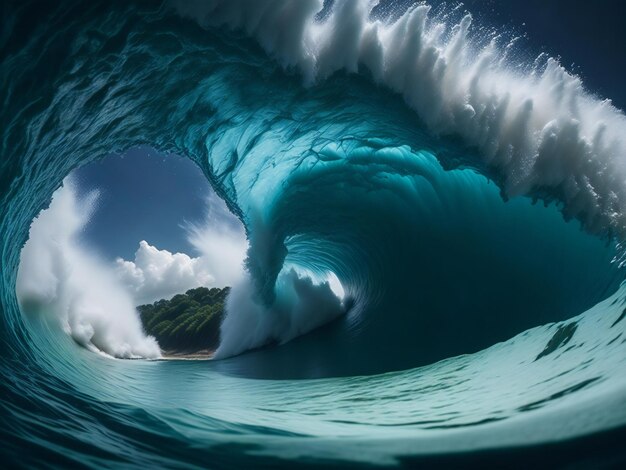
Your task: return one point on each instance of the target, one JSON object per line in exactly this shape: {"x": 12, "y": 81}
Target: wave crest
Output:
{"x": 534, "y": 126}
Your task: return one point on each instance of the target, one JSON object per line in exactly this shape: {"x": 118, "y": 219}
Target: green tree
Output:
{"x": 187, "y": 322}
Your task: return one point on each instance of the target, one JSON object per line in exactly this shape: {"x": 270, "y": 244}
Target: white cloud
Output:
{"x": 159, "y": 274}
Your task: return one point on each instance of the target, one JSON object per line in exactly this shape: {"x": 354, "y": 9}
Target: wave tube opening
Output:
{"x": 483, "y": 308}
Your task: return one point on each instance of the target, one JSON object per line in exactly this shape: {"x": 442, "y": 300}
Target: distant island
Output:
{"x": 187, "y": 325}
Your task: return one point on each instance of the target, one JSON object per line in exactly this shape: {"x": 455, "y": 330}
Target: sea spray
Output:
{"x": 301, "y": 304}
{"x": 534, "y": 125}
{"x": 59, "y": 277}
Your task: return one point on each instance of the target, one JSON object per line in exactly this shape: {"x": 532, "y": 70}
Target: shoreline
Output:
{"x": 200, "y": 355}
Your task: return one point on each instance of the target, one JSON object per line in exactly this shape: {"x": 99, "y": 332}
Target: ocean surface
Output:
{"x": 469, "y": 202}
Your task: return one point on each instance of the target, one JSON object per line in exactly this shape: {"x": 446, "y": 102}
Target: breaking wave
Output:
{"x": 434, "y": 232}
{"x": 58, "y": 277}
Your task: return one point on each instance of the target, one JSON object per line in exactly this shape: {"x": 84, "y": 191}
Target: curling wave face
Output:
{"x": 384, "y": 154}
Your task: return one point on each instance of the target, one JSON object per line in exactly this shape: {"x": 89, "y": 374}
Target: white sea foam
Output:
{"x": 302, "y": 304}
{"x": 261, "y": 309}
{"x": 59, "y": 277}
{"x": 535, "y": 126}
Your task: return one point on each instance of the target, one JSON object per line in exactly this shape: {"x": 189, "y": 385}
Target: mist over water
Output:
{"x": 428, "y": 261}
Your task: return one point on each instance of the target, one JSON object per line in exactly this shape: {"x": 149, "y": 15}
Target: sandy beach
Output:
{"x": 201, "y": 355}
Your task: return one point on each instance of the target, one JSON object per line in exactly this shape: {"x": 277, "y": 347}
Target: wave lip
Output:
{"x": 535, "y": 127}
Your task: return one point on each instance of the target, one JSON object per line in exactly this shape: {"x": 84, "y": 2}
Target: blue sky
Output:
{"x": 143, "y": 196}
{"x": 157, "y": 227}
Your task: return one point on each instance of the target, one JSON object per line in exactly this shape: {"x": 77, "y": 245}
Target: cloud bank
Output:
{"x": 157, "y": 274}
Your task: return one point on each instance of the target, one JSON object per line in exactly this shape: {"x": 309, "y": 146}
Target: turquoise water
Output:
{"x": 483, "y": 309}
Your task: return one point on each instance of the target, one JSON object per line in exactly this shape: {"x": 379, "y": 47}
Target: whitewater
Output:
{"x": 434, "y": 226}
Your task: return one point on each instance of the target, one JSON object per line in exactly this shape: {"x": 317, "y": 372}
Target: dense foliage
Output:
{"x": 187, "y": 322}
